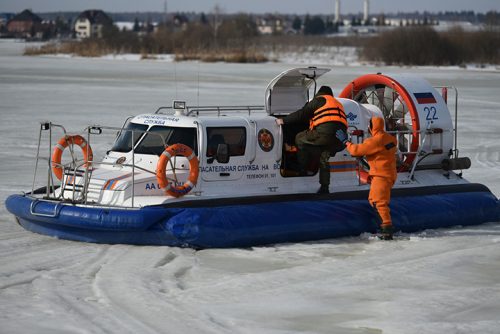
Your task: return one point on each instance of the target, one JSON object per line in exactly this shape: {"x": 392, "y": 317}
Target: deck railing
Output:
{"x": 219, "y": 110}
{"x": 76, "y": 166}
{"x": 81, "y": 168}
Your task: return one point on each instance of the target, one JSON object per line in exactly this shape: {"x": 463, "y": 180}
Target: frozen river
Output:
{"x": 442, "y": 281}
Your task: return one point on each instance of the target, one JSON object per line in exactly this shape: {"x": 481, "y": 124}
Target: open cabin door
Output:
{"x": 289, "y": 91}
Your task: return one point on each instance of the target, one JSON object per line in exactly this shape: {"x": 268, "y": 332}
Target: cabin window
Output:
{"x": 157, "y": 136}
{"x": 235, "y": 137}
{"x": 153, "y": 140}
{"x": 124, "y": 141}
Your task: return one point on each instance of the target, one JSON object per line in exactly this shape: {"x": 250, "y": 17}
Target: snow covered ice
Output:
{"x": 436, "y": 281}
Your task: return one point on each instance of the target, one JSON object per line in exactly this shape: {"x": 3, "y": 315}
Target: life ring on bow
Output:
{"x": 161, "y": 175}
{"x": 61, "y": 145}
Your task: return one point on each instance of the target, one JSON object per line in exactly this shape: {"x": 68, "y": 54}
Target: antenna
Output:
{"x": 198, "y": 92}
{"x": 175, "y": 77}
{"x": 175, "y": 66}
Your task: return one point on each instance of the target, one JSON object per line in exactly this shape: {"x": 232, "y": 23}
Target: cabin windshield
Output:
{"x": 124, "y": 141}
{"x": 157, "y": 137}
{"x": 153, "y": 141}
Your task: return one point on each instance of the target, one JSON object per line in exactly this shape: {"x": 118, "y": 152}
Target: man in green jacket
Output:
{"x": 325, "y": 116}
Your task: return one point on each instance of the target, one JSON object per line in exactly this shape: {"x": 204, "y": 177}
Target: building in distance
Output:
{"x": 24, "y": 25}
{"x": 90, "y": 23}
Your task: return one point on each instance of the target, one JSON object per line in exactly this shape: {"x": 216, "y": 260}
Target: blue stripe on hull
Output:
{"x": 244, "y": 225}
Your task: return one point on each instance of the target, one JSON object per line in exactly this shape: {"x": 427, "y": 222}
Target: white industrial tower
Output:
{"x": 337, "y": 11}
{"x": 366, "y": 11}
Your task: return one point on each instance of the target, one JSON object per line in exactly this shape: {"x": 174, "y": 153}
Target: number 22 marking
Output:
{"x": 429, "y": 111}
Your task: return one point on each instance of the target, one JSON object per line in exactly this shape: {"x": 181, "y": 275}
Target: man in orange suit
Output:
{"x": 380, "y": 152}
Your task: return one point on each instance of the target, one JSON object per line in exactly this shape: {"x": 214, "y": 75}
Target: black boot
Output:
{"x": 386, "y": 232}
{"x": 323, "y": 190}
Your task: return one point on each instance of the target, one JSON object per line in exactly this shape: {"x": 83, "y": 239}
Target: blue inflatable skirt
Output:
{"x": 253, "y": 221}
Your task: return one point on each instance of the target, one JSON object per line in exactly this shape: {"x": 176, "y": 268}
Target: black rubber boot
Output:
{"x": 323, "y": 190}
{"x": 386, "y": 232}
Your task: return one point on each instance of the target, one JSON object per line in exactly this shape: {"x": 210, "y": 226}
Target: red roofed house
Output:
{"x": 25, "y": 24}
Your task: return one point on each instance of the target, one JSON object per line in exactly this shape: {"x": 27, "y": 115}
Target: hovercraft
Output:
{"x": 227, "y": 176}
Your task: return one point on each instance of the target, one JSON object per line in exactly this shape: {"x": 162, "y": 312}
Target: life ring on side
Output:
{"x": 363, "y": 172}
{"x": 161, "y": 175}
{"x": 64, "y": 142}
{"x": 364, "y": 177}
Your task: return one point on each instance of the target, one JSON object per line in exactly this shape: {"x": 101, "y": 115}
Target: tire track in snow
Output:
{"x": 39, "y": 280}
{"x": 121, "y": 294}
{"x": 169, "y": 257}
{"x": 84, "y": 307}
{"x": 489, "y": 156}
{"x": 362, "y": 282}
{"x": 143, "y": 286}
{"x": 25, "y": 280}
{"x": 39, "y": 256}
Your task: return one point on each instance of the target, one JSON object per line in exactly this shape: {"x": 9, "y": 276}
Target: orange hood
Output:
{"x": 377, "y": 125}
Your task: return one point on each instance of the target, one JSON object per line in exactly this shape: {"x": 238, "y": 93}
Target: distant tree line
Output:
{"x": 233, "y": 39}
{"x": 426, "y": 46}
{"x": 236, "y": 39}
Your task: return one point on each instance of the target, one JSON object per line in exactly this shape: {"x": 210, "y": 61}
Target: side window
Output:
{"x": 235, "y": 137}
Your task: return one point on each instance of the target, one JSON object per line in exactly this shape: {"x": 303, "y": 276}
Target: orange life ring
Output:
{"x": 364, "y": 176}
{"x": 61, "y": 145}
{"x": 161, "y": 175}
{"x": 363, "y": 171}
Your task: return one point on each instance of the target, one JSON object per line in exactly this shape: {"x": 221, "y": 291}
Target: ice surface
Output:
{"x": 444, "y": 281}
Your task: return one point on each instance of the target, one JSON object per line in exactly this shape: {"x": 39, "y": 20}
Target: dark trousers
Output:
{"x": 322, "y": 142}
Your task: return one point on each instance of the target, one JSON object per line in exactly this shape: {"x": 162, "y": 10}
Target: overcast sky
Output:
{"x": 253, "y": 6}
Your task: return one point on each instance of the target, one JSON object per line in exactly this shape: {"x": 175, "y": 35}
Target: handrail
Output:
{"x": 84, "y": 181}
{"x": 197, "y": 109}
{"x": 76, "y": 164}
{"x": 42, "y": 126}
{"x": 279, "y": 151}
{"x": 32, "y": 210}
{"x": 419, "y": 151}
{"x": 97, "y": 129}
{"x": 220, "y": 109}
{"x": 133, "y": 164}
{"x": 427, "y": 131}
{"x": 55, "y": 200}
{"x": 455, "y": 129}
